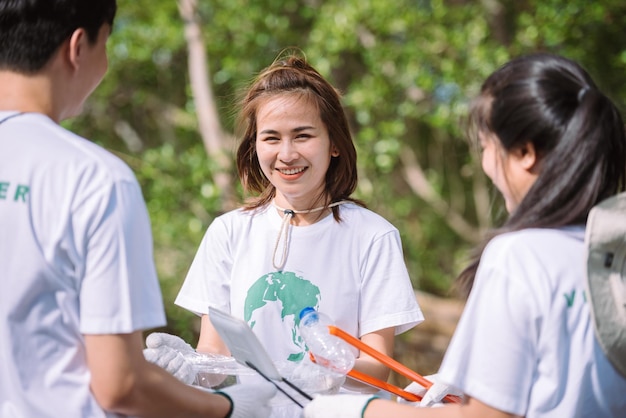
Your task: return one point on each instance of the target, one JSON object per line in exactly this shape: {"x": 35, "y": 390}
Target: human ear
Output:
{"x": 526, "y": 156}
{"x": 76, "y": 44}
{"x": 334, "y": 152}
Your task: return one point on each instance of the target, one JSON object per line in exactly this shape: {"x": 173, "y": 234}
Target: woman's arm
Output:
{"x": 210, "y": 341}
{"x": 382, "y": 341}
{"x": 364, "y": 406}
{"x": 472, "y": 408}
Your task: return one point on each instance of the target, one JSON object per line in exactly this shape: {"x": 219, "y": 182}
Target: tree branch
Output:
{"x": 415, "y": 178}
{"x": 214, "y": 139}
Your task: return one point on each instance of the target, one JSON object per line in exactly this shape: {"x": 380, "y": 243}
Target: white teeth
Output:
{"x": 292, "y": 171}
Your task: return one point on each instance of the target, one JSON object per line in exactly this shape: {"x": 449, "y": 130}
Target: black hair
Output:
{"x": 577, "y": 132}
{"x": 31, "y": 31}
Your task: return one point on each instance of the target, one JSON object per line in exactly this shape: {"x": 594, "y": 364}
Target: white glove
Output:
{"x": 168, "y": 352}
{"x": 249, "y": 400}
{"x": 338, "y": 406}
{"x": 311, "y": 377}
{"x": 434, "y": 394}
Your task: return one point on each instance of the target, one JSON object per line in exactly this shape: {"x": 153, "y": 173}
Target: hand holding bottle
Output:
{"x": 329, "y": 350}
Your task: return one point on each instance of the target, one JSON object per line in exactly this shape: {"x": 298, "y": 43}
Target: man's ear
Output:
{"x": 76, "y": 45}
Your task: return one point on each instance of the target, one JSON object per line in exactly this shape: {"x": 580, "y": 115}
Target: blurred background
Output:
{"x": 407, "y": 70}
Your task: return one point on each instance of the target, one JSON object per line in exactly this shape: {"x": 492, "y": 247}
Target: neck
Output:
{"x": 301, "y": 203}
{"x": 306, "y": 216}
{"x": 26, "y": 93}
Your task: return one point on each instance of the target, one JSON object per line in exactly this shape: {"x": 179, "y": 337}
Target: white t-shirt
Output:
{"x": 525, "y": 343}
{"x": 352, "y": 271}
{"x": 75, "y": 258}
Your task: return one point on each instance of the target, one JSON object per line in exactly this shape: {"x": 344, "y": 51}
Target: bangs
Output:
{"x": 479, "y": 119}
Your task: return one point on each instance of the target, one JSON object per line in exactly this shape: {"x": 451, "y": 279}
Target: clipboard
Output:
{"x": 246, "y": 348}
{"x": 243, "y": 344}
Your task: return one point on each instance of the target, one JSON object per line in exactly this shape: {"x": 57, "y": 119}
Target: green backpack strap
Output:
{"x": 605, "y": 239}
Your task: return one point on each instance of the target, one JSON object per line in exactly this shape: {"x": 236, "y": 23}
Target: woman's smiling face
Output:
{"x": 294, "y": 149}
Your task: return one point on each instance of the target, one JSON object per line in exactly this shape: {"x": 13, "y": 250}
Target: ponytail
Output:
{"x": 578, "y": 134}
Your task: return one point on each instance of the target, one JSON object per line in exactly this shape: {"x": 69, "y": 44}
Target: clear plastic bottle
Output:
{"x": 329, "y": 350}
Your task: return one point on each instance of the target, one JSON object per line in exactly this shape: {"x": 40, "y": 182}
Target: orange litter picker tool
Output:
{"x": 389, "y": 362}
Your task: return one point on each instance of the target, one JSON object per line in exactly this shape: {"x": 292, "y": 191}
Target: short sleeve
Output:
{"x": 120, "y": 291}
{"x": 492, "y": 355}
{"x": 388, "y": 299}
{"x": 208, "y": 280}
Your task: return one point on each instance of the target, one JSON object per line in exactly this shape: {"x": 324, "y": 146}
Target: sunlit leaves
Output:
{"x": 407, "y": 70}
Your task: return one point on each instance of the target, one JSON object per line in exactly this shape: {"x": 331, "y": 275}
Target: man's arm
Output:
{"x": 124, "y": 382}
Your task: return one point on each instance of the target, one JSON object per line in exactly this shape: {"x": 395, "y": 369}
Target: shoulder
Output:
{"x": 241, "y": 215}
{"x": 547, "y": 256}
{"x": 240, "y": 219}
{"x": 360, "y": 217}
{"x": 537, "y": 241}
{"x": 70, "y": 152}
{"x": 60, "y": 165}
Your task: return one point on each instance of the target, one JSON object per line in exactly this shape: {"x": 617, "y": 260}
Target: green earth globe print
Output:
{"x": 292, "y": 292}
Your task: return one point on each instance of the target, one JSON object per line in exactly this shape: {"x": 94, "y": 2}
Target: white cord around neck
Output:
{"x": 285, "y": 229}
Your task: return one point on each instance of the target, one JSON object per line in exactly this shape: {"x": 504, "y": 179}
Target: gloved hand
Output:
{"x": 311, "y": 377}
{"x": 434, "y": 394}
{"x": 249, "y": 400}
{"x": 338, "y": 406}
{"x": 168, "y": 352}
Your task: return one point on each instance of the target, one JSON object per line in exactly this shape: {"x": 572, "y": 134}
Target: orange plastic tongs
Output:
{"x": 389, "y": 362}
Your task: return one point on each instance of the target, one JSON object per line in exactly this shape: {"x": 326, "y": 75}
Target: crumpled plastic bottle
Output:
{"x": 329, "y": 350}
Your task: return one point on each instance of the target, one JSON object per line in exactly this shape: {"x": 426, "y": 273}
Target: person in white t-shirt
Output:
{"x": 554, "y": 146}
{"x": 77, "y": 279}
{"x": 301, "y": 240}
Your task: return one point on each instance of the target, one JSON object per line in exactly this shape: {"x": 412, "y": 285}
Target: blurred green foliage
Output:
{"x": 407, "y": 70}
